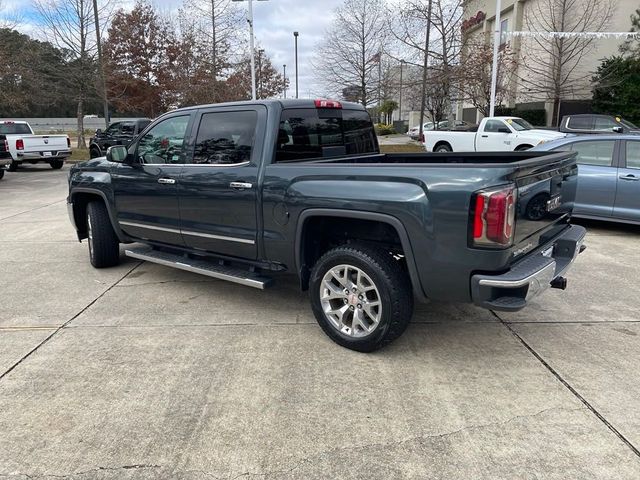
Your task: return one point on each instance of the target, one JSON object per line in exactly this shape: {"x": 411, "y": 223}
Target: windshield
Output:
{"x": 519, "y": 124}
{"x": 14, "y": 129}
{"x": 628, "y": 124}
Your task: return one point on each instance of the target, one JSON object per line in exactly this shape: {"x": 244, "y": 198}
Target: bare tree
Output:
{"x": 552, "y": 65}
{"x": 8, "y": 18}
{"x": 445, "y": 42}
{"x": 215, "y": 25}
{"x": 474, "y": 75}
{"x": 70, "y": 25}
{"x": 350, "y": 55}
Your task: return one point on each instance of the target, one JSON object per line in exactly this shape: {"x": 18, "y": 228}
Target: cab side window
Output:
{"x": 594, "y": 153}
{"x": 163, "y": 144}
{"x": 633, "y": 154}
{"x": 494, "y": 126}
{"x": 225, "y": 138}
{"x": 604, "y": 124}
{"x": 113, "y": 129}
{"x": 127, "y": 128}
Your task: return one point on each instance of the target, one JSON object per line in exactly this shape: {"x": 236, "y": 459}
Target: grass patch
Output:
{"x": 79, "y": 155}
{"x": 407, "y": 148}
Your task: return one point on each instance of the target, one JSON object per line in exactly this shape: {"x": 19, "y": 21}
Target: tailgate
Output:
{"x": 546, "y": 187}
{"x": 44, "y": 143}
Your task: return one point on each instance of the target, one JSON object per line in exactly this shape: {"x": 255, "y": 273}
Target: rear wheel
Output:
{"x": 56, "y": 164}
{"x": 104, "y": 247}
{"x": 361, "y": 297}
{"x": 1, "y": 173}
{"x": 13, "y": 166}
{"x": 443, "y": 147}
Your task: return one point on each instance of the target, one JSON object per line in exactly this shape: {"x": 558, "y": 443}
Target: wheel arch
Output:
{"x": 441, "y": 143}
{"x": 522, "y": 147}
{"x": 80, "y": 198}
{"x": 392, "y": 223}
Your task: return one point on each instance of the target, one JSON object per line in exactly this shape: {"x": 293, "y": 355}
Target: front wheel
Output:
{"x": 104, "y": 246}
{"x": 57, "y": 164}
{"x": 361, "y": 297}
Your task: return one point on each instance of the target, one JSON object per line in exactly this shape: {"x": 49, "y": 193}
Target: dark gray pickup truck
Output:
{"x": 242, "y": 191}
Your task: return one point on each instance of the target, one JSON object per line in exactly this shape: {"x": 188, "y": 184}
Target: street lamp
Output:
{"x": 259, "y": 82}
{"x": 251, "y": 45}
{"x": 295, "y": 36}
{"x": 284, "y": 75}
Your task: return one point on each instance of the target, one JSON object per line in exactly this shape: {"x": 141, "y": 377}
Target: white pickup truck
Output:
{"x": 24, "y": 146}
{"x": 494, "y": 134}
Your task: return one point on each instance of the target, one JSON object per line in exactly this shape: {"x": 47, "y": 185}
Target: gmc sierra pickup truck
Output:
{"x": 240, "y": 191}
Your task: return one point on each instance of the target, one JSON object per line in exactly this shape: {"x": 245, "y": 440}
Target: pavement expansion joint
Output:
{"x": 54, "y": 332}
{"x": 564, "y": 382}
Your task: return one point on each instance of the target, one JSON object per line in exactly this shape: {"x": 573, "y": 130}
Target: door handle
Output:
{"x": 485, "y": 136}
{"x": 629, "y": 177}
{"x": 240, "y": 185}
{"x": 167, "y": 181}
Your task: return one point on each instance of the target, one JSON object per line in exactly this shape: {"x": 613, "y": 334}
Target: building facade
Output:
{"x": 531, "y": 84}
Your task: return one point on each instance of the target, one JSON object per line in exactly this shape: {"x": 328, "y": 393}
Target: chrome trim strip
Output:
{"x": 218, "y": 237}
{"x": 187, "y": 232}
{"x": 150, "y": 227}
{"x": 544, "y": 275}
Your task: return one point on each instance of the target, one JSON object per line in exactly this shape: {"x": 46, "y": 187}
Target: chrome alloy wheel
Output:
{"x": 90, "y": 234}
{"x": 350, "y": 301}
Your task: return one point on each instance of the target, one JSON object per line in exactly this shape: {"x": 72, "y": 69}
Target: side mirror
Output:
{"x": 117, "y": 154}
{"x": 98, "y": 131}
{"x": 504, "y": 130}
{"x": 617, "y": 129}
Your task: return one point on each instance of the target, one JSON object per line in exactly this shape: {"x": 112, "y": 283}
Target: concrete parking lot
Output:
{"x": 143, "y": 372}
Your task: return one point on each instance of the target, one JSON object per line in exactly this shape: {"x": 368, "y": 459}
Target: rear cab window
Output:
{"x": 15, "y": 129}
{"x": 312, "y": 133}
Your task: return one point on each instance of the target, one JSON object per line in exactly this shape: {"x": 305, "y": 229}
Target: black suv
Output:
{"x": 118, "y": 133}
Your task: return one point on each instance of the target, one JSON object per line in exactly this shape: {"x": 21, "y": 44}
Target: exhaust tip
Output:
{"x": 559, "y": 282}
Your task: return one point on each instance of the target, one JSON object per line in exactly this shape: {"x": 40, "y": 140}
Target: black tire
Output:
{"x": 94, "y": 153}
{"x": 104, "y": 247}
{"x": 443, "y": 148}
{"x": 393, "y": 286}
{"x": 13, "y": 166}
{"x": 56, "y": 164}
{"x": 522, "y": 148}
{"x": 1, "y": 173}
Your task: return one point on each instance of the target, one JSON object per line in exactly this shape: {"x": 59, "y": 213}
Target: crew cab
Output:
{"x": 493, "y": 134}
{"x": 118, "y": 133}
{"x": 25, "y": 146}
{"x": 247, "y": 191}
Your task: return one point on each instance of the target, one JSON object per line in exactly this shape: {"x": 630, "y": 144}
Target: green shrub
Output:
{"x": 382, "y": 129}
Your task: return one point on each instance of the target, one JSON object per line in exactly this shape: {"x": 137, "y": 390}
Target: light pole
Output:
{"x": 260, "y": 52}
{"x": 285, "y": 79}
{"x": 494, "y": 65}
{"x": 251, "y": 45}
{"x": 295, "y": 36}
{"x": 400, "y": 102}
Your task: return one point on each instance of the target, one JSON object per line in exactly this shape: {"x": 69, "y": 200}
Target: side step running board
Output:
{"x": 203, "y": 267}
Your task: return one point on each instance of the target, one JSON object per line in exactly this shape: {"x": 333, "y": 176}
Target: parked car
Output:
{"x": 494, "y": 134}
{"x": 118, "y": 133}
{"x": 608, "y": 175}
{"x": 5, "y": 155}
{"x": 25, "y": 146}
{"x": 238, "y": 191}
{"x": 414, "y": 132}
{"x": 593, "y": 123}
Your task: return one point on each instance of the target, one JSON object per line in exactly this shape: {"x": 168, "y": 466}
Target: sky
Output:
{"x": 274, "y": 22}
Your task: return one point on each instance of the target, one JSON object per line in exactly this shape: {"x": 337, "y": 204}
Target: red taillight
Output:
{"x": 494, "y": 217}
{"x": 19, "y": 144}
{"x": 68, "y": 142}
{"x": 327, "y": 104}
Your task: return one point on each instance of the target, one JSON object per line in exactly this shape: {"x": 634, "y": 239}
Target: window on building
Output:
{"x": 504, "y": 28}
